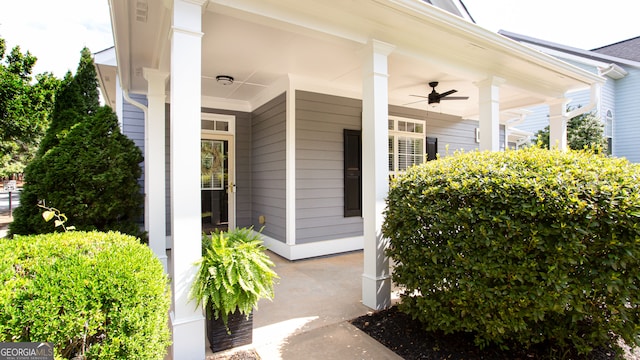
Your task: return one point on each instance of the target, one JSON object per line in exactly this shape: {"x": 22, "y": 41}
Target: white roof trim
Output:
{"x": 613, "y": 71}
{"x": 486, "y": 37}
{"x": 593, "y": 55}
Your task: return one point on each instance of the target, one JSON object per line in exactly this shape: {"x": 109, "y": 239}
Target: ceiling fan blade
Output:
{"x": 414, "y": 102}
{"x": 455, "y": 98}
{"x": 447, "y": 93}
{"x": 420, "y": 96}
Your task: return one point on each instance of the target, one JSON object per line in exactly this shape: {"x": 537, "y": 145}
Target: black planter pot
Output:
{"x": 241, "y": 332}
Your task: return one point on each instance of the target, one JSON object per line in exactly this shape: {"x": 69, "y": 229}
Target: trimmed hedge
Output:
{"x": 92, "y": 294}
{"x": 520, "y": 246}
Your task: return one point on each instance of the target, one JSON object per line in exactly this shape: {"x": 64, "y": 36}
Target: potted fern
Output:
{"x": 234, "y": 273}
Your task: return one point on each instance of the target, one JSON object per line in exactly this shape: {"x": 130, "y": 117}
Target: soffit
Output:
{"x": 259, "y": 42}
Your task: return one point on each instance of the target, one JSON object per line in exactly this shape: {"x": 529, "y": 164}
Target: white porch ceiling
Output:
{"x": 259, "y": 42}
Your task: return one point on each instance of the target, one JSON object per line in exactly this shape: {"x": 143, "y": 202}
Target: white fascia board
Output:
{"x": 567, "y": 56}
{"x": 121, "y": 39}
{"x": 483, "y": 37}
{"x": 569, "y": 49}
{"x": 106, "y": 57}
{"x": 613, "y": 71}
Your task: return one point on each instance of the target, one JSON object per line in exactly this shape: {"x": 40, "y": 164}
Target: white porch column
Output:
{"x": 376, "y": 279}
{"x": 558, "y": 124}
{"x": 187, "y": 321}
{"x": 489, "y": 102}
{"x": 154, "y": 163}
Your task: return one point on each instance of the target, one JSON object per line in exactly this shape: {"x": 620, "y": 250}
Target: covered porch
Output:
{"x": 253, "y": 60}
{"x": 315, "y": 299}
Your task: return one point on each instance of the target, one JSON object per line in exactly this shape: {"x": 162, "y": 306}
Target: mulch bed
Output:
{"x": 407, "y": 338}
{"x": 249, "y": 354}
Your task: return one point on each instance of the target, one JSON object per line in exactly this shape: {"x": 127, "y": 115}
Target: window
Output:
{"x": 608, "y": 131}
{"x": 407, "y": 145}
{"x": 217, "y": 123}
{"x": 212, "y": 164}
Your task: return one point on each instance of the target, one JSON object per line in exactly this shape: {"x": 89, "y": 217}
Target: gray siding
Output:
{"x": 320, "y": 121}
{"x": 133, "y": 127}
{"x": 268, "y": 172}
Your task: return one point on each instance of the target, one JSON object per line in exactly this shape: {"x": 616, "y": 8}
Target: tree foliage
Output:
{"x": 583, "y": 131}
{"x": 24, "y": 108}
{"x": 85, "y": 166}
{"x": 525, "y": 246}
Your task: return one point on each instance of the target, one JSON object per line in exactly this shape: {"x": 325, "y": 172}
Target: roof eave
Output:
{"x": 120, "y": 28}
{"x": 588, "y": 54}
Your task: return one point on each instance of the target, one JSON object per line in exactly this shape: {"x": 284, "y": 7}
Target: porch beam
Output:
{"x": 154, "y": 164}
{"x": 489, "y": 103}
{"x": 187, "y": 321}
{"x": 376, "y": 279}
{"x": 558, "y": 124}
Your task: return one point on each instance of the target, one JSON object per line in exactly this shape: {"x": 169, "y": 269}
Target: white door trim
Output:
{"x": 228, "y": 135}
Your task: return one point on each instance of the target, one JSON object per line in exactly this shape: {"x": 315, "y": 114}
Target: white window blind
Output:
{"x": 212, "y": 164}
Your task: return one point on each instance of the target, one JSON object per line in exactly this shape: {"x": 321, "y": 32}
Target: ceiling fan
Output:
{"x": 435, "y": 97}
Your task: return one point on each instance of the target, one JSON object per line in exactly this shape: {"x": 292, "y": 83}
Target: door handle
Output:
{"x": 232, "y": 187}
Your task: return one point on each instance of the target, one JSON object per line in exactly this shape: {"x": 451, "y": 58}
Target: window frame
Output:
{"x": 395, "y": 133}
{"x": 608, "y": 130}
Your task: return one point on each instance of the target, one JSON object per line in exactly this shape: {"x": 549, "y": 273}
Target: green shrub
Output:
{"x": 101, "y": 295}
{"x": 527, "y": 246}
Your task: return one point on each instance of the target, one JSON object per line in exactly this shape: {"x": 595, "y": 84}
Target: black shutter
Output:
{"x": 432, "y": 148}
{"x": 352, "y": 173}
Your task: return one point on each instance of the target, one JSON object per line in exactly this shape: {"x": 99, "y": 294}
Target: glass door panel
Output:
{"x": 214, "y": 182}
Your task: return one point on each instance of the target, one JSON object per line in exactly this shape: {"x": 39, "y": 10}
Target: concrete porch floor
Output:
{"x": 308, "y": 318}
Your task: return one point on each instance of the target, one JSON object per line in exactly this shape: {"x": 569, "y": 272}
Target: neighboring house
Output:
{"x": 618, "y": 107}
{"x": 290, "y": 116}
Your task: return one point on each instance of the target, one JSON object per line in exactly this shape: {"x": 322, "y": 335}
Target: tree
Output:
{"x": 77, "y": 98}
{"x": 85, "y": 166}
{"x": 586, "y": 130}
{"x": 24, "y": 108}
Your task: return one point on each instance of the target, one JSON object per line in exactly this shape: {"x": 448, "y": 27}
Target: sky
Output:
{"x": 583, "y": 24}
{"x": 55, "y": 31}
